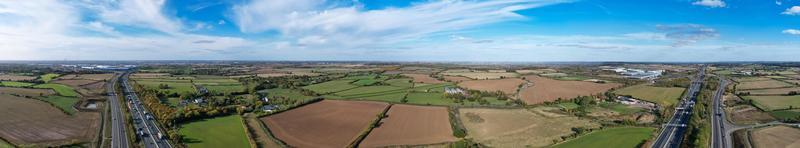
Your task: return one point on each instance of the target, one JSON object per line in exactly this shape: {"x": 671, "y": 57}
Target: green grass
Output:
{"x": 4, "y": 144}
{"x": 62, "y": 90}
{"x": 769, "y": 103}
{"x": 174, "y": 102}
{"x": 399, "y": 82}
{"x": 15, "y": 84}
{"x": 623, "y": 137}
{"x": 331, "y": 86}
{"x": 288, "y": 93}
{"x": 365, "y": 82}
{"x": 47, "y": 77}
{"x": 224, "y": 88}
{"x": 174, "y": 87}
{"x": 661, "y": 95}
{"x": 217, "y": 132}
{"x": 63, "y": 103}
{"x": 786, "y": 114}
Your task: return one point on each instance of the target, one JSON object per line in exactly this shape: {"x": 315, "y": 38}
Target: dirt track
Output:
{"x": 545, "y": 89}
{"x": 411, "y": 125}
{"x": 329, "y": 123}
{"x": 28, "y": 121}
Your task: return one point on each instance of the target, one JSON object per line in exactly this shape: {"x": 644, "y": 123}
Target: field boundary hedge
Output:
{"x": 372, "y": 125}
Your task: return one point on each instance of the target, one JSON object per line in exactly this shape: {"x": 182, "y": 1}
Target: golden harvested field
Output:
{"x": 411, "y": 125}
{"x": 26, "y": 91}
{"x": 517, "y": 127}
{"x": 777, "y": 136}
{"x": 456, "y": 79}
{"x": 482, "y": 75}
{"x": 545, "y": 89}
{"x": 74, "y": 82}
{"x": 774, "y": 91}
{"x": 749, "y": 79}
{"x": 762, "y": 84}
{"x": 29, "y": 121}
{"x": 10, "y": 77}
{"x": 149, "y": 75}
{"x": 508, "y": 86}
{"x": 95, "y": 77}
{"x": 328, "y": 123}
{"x": 423, "y": 78}
{"x": 536, "y": 71}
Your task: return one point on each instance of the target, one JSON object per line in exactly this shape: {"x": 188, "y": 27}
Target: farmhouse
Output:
{"x": 453, "y": 90}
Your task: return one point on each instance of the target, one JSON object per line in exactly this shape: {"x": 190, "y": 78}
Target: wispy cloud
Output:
{"x": 315, "y": 22}
{"x": 794, "y": 10}
{"x": 791, "y": 31}
{"x": 685, "y": 34}
{"x": 710, "y": 3}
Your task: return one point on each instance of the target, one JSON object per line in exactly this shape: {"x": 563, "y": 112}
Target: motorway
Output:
{"x": 673, "y": 131}
{"x": 119, "y": 138}
{"x": 146, "y": 127}
{"x": 720, "y": 138}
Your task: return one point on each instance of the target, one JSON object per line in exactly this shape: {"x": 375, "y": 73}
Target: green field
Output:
{"x": 437, "y": 98}
{"x": 47, "y": 77}
{"x": 224, "y": 88}
{"x": 620, "y": 108}
{"x": 15, "y": 84}
{"x": 661, "y": 95}
{"x": 769, "y": 103}
{"x": 331, "y": 86}
{"x": 63, "y": 103}
{"x": 568, "y": 105}
{"x": 365, "y": 82}
{"x": 622, "y": 137}
{"x": 174, "y": 87}
{"x": 228, "y": 131}
{"x": 4, "y": 144}
{"x": 786, "y": 114}
{"x": 174, "y": 102}
{"x": 288, "y": 93}
{"x": 399, "y": 82}
{"x": 62, "y": 90}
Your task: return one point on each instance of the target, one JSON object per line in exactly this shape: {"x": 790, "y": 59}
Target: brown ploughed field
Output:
{"x": 328, "y": 123}
{"x": 74, "y": 82}
{"x": 423, "y": 78}
{"x": 456, "y": 79}
{"x": 8, "y": 77}
{"x": 26, "y": 91}
{"x": 411, "y": 125}
{"x": 95, "y": 77}
{"x": 545, "y": 89}
{"x": 508, "y": 86}
{"x": 29, "y": 121}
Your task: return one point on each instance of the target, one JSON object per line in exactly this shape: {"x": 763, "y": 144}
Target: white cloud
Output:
{"x": 795, "y": 10}
{"x": 778, "y": 3}
{"x": 350, "y": 26}
{"x": 710, "y": 3}
{"x": 684, "y": 34}
{"x": 136, "y": 13}
{"x": 791, "y": 31}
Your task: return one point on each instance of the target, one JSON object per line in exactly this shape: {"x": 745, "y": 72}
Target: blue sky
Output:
{"x": 399, "y": 30}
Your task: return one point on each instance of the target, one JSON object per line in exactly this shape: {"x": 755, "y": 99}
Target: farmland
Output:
{"x": 411, "y": 125}
{"x": 776, "y": 136}
{"x": 329, "y": 123}
{"x": 517, "y": 127}
{"x": 507, "y": 86}
{"x": 28, "y": 121}
{"x": 769, "y": 103}
{"x": 287, "y": 93}
{"x": 227, "y": 131}
{"x": 456, "y": 79}
{"x": 629, "y": 137}
{"x": 64, "y": 103}
{"x": 27, "y": 91}
{"x": 47, "y": 77}
{"x": 331, "y": 86}
{"x": 62, "y": 90}
{"x": 786, "y": 114}
{"x": 482, "y": 75}
{"x": 768, "y": 83}
{"x": 422, "y": 78}
{"x": 746, "y": 114}
{"x": 774, "y": 91}
{"x": 545, "y": 89}
{"x": 186, "y": 83}
{"x": 661, "y": 95}
{"x": 15, "y": 84}
{"x": 12, "y": 77}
